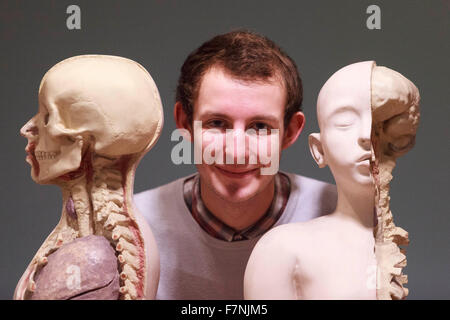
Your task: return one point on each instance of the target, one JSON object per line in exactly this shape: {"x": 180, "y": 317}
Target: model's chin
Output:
{"x": 355, "y": 180}
{"x": 36, "y": 178}
{"x": 366, "y": 182}
{"x": 34, "y": 165}
{"x": 363, "y": 181}
{"x": 364, "y": 175}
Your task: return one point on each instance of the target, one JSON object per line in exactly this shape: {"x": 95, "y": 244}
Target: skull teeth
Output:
{"x": 46, "y": 155}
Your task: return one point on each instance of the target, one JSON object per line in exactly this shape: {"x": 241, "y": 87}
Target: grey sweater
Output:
{"x": 195, "y": 265}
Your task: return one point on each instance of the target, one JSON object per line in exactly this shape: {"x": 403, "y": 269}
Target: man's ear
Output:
{"x": 182, "y": 120}
{"x": 315, "y": 146}
{"x": 293, "y": 129}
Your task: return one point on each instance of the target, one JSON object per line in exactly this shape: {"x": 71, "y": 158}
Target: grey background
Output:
{"x": 321, "y": 36}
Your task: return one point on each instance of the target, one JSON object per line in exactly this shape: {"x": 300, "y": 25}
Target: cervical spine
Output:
{"x": 391, "y": 259}
{"x": 116, "y": 223}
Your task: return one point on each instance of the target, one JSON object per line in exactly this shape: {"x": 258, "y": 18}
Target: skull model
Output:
{"x": 98, "y": 115}
{"x": 83, "y": 102}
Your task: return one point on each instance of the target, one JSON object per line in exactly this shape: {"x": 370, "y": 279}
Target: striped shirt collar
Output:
{"x": 216, "y": 228}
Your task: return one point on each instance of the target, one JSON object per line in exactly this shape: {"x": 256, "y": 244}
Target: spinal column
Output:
{"x": 115, "y": 221}
{"x": 395, "y": 118}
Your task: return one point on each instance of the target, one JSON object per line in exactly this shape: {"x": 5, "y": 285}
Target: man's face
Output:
{"x": 227, "y": 103}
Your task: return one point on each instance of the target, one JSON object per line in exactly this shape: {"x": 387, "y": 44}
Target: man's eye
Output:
{"x": 216, "y": 124}
{"x": 260, "y": 126}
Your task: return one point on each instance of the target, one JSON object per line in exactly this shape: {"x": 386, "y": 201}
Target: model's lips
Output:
{"x": 365, "y": 157}
{"x": 236, "y": 172}
{"x": 364, "y": 164}
{"x": 29, "y": 149}
{"x": 31, "y": 158}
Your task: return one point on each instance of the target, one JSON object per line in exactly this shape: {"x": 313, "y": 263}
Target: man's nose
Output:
{"x": 236, "y": 147}
{"x": 29, "y": 129}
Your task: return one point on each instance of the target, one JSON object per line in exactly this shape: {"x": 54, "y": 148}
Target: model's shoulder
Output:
{"x": 310, "y": 182}
{"x": 309, "y": 186}
{"x": 294, "y": 236}
{"x": 277, "y": 237}
{"x": 316, "y": 197}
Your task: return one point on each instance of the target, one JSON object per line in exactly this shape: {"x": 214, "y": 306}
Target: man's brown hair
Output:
{"x": 247, "y": 56}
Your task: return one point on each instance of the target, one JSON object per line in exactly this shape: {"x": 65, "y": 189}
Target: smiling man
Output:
{"x": 238, "y": 86}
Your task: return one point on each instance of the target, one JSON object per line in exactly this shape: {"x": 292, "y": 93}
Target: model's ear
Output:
{"x": 182, "y": 120}
{"x": 293, "y": 129}
{"x": 315, "y": 146}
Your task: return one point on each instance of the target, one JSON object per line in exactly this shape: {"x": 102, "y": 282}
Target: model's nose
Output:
{"x": 29, "y": 129}
{"x": 365, "y": 132}
{"x": 364, "y": 142}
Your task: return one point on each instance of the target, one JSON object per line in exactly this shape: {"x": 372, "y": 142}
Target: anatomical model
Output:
{"x": 98, "y": 115}
{"x": 368, "y": 115}
{"x": 395, "y": 119}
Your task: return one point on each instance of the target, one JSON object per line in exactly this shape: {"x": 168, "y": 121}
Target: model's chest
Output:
{"x": 337, "y": 273}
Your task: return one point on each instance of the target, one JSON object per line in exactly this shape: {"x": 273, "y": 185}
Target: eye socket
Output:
{"x": 46, "y": 118}
{"x": 70, "y": 139}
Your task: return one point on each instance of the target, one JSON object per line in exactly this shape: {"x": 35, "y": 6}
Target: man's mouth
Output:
{"x": 237, "y": 173}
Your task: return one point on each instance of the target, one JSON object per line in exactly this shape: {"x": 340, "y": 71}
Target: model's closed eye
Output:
{"x": 343, "y": 124}
{"x": 344, "y": 119}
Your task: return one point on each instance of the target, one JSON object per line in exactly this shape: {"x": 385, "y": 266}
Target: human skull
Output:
{"x": 395, "y": 106}
{"x": 84, "y": 102}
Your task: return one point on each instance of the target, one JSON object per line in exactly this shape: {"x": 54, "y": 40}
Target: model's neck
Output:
{"x": 78, "y": 206}
{"x": 238, "y": 215}
{"x": 96, "y": 202}
{"x": 358, "y": 205}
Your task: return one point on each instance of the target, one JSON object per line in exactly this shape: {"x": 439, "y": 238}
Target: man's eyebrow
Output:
{"x": 261, "y": 117}
{"x": 264, "y": 118}
{"x": 213, "y": 114}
